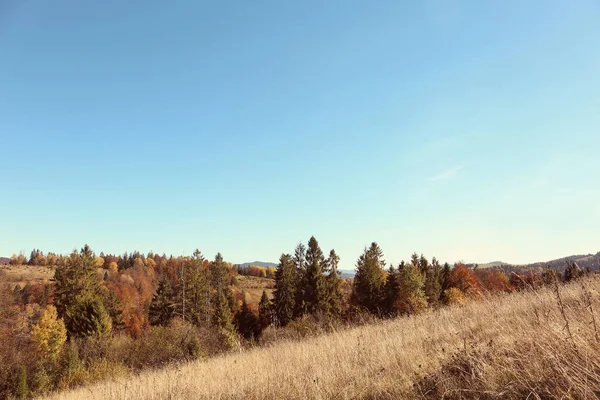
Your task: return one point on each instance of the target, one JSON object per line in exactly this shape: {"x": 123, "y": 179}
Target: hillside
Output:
{"x": 508, "y": 346}
{"x": 258, "y": 264}
{"x": 4, "y": 260}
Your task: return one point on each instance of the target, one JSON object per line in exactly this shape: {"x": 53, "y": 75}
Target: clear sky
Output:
{"x": 465, "y": 130}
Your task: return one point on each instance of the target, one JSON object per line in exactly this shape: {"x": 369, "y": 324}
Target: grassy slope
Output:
{"x": 23, "y": 274}
{"x": 505, "y": 347}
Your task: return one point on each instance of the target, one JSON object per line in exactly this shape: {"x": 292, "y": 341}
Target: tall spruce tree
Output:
{"x": 433, "y": 288}
{"x": 284, "y": 295}
{"x": 299, "y": 261}
{"x": 315, "y": 285}
{"x": 392, "y": 290}
{"x": 333, "y": 290}
{"x": 444, "y": 277}
{"x": 369, "y": 280}
{"x": 221, "y": 314}
{"x": 197, "y": 291}
{"x": 78, "y": 295}
{"x": 162, "y": 307}
{"x": 265, "y": 310}
{"x": 246, "y": 322}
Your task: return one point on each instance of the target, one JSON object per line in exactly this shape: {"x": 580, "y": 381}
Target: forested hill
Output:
{"x": 584, "y": 261}
{"x": 257, "y": 264}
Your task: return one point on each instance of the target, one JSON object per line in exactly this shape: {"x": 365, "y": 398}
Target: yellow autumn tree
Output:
{"x": 50, "y": 333}
{"x": 454, "y": 296}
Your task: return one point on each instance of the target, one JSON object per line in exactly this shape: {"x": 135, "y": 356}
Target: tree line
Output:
{"x": 151, "y": 297}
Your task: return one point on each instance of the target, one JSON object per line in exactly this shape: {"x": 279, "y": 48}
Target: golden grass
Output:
{"x": 509, "y": 346}
{"x": 23, "y": 274}
{"x": 253, "y": 286}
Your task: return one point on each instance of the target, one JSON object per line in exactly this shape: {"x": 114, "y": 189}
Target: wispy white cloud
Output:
{"x": 448, "y": 174}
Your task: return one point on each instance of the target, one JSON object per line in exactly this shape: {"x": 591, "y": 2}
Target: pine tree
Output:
{"x": 78, "y": 296}
{"x": 299, "y": 261}
{"x": 284, "y": 294}
{"x": 221, "y": 314}
{"x": 246, "y": 322}
{"x": 423, "y": 265}
{"x": 392, "y": 290}
{"x": 369, "y": 280}
{"x": 333, "y": 290}
{"x": 433, "y": 288}
{"x": 411, "y": 297}
{"x": 197, "y": 290}
{"x": 265, "y": 310}
{"x": 444, "y": 277}
{"x": 314, "y": 289}
{"x": 162, "y": 307}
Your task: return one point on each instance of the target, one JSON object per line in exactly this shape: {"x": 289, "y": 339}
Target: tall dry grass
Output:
{"x": 508, "y": 346}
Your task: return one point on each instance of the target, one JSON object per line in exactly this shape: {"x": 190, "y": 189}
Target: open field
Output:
{"x": 253, "y": 286}
{"x": 23, "y": 274}
{"x": 510, "y": 346}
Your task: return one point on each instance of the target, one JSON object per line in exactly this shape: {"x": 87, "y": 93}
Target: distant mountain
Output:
{"x": 489, "y": 265}
{"x": 585, "y": 261}
{"x": 258, "y": 264}
{"x": 347, "y": 274}
{"x": 4, "y": 260}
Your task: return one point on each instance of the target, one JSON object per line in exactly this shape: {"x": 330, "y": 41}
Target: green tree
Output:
{"x": 299, "y": 261}
{"x": 247, "y": 324}
{"x": 411, "y": 296}
{"x": 333, "y": 290}
{"x": 197, "y": 291}
{"x": 433, "y": 288}
{"x": 221, "y": 314}
{"x": 315, "y": 285}
{"x": 392, "y": 290}
{"x": 265, "y": 310}
{"x": 284, "y": 300}
{"x": 78, "y": 295}
{"x": 445, "y": 276}
{"x": 369, "y": 280}
{"x": 162, "y": 306}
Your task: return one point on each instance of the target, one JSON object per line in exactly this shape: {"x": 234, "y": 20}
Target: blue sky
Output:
{"x": 465, "y": 130}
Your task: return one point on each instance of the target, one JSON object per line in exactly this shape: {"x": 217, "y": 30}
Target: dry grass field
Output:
{"x": 23, "y": 274}
{"x": 253, "y": 287}
{"x": 531, "y": 345}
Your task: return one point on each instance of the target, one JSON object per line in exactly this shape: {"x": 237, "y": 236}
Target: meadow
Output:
{"x": 535, "y": 344}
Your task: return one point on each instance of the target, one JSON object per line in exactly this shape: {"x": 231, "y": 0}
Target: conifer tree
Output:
{"x": 78, "y": 295}
{"x": 197, "y": 290}
{"x": 433, "y": 288}
{"x": 162, "y": 307}
{"x": 221, "y": 315}
{"x": 369, "y": 280}
{"x": 392, "y": 290}
{"x": 284, "y": 300}
{"x": 411, "y": 296}
{"x": 246, "y": 322}
{"x": 299, "y": 261}
{"x": 315, "y": 285}
{"x": 423, "y": 265}
{"x": 222, "y": 312}
{"x": 445, "y": 276}
{"x": 265, "y": 310}
{"x": 333, "y": 290}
